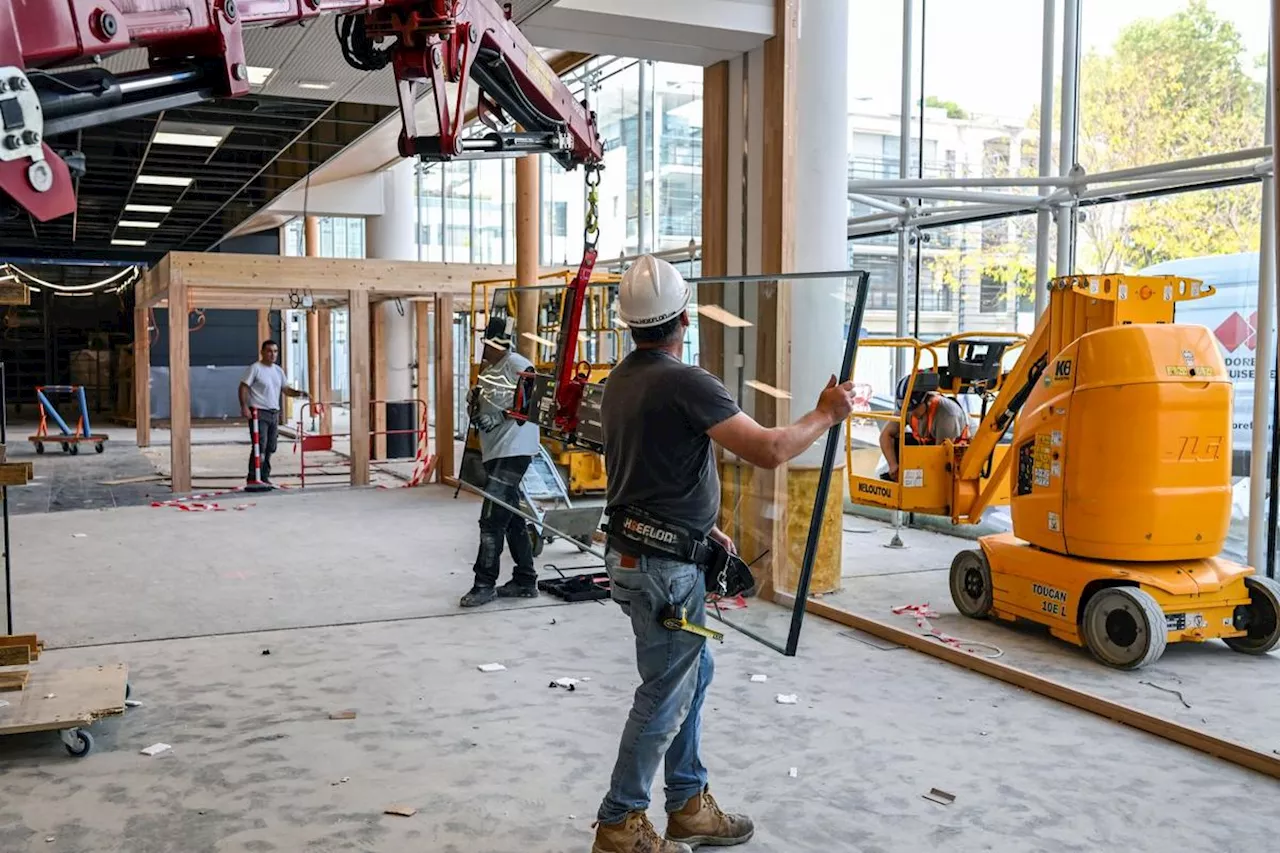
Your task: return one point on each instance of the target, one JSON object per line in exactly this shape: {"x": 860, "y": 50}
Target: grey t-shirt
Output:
{"x": 265, "y": 384}
{"x": 656, "y": 412}
{"x": 497, "y": 384}
{"x": 949, "y": 421}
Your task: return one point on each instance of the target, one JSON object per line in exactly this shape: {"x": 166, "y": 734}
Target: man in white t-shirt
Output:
{"x": 260, "y": 389}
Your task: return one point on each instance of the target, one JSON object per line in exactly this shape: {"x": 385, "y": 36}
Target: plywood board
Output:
{"x": 15, "y": 473}
{"x": 1236, "y": 753}
{"x": 80, "y": 696}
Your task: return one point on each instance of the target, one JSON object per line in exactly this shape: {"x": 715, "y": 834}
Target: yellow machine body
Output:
{"x": 1118, "y": 475}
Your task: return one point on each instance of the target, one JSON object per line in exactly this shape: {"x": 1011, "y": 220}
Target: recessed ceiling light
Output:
{"x": 148, "y": 208}
{"x": 164, "y": 181}
{"x": 258, "y": 74}
{"x": 135, "y": 223}
{"x": 313, "y": 84}
{"x": 195, "y": 140}
{"x": 119, "y": 242}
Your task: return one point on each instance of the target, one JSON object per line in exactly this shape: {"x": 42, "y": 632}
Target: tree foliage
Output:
{"x": 954, "y": 110}
{"x": 1168, "y": 89}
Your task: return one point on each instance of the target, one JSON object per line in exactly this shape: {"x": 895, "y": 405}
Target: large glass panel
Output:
{"x": 431, "y": 213}
{"x": 1162, "y": 81}
{"x": 677, "y": 188}
{"x": 457, "y": 214}
{"x": 486, "y": 193}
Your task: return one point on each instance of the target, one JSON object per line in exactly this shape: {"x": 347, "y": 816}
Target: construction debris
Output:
{"x": 400, "y": 811}
{"x": 759, "y": 679}
{"x": 794, "y": 772}
{"x": 348, "y": 714}
{"x": 940, "y": 796}
{"x": 491, "y": 667}
{"x": 787, "y": 699}
{"x": 156, "y": 749}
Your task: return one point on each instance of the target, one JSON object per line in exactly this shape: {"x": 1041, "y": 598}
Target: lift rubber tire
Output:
{"x": 971, "y": 584}
{"x": 1124, "y": 627}
{"x": 99, "y": 447}
{"x": 40, "y": 448}
{"x": 84, "y": 744}
{"x": 1264, "y": 618}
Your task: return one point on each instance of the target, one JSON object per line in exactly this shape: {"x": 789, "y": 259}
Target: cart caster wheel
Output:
{"x": 99, "y": 447}
{"x": 75, "y": 450}
{"x": 1261, "y": 618}
{"x": 971, "y": 584}
{"x": 66, "y": 448}
{"x": 78, "y": 742}
{"x": 39, "y": 448}
{"x": 1124, "y": 627}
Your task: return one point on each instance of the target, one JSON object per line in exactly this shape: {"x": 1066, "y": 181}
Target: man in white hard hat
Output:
{"x": 660, "y": 417}
{"x": 506, "y": 447}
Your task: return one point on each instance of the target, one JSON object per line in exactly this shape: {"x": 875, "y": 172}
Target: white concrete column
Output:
{"x": 821, "y": 209}
{"x": 393, "y": 237}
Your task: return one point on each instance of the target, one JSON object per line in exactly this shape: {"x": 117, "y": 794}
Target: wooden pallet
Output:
{"x": 14, "y": 679}
{"x": 79, "y": 697}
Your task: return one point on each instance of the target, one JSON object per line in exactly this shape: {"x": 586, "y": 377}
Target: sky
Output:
{"x": 985, "y": 54}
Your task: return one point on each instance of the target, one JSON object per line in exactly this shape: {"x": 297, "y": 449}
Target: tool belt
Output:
{"x": 646, "y": 535}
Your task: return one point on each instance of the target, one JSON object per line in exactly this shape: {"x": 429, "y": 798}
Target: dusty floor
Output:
{"x": 354, "y": 595}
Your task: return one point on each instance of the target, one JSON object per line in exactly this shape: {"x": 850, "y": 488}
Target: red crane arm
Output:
{"x": 196, "y": 52}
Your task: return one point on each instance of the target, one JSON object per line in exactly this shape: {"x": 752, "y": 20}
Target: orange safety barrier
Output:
{"x": 314, "y": 442}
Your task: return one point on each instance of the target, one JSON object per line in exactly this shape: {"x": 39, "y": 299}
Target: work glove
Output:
{"x": 488, "y": 423}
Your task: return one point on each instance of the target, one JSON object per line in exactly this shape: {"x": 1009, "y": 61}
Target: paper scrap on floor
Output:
{"x": 787, "y": 699}
{"x": 491, "y": 667}
{"x": 759, "y": 679}
{"x": 156, "y": 749}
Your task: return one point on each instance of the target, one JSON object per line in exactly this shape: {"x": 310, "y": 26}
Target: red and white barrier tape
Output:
{"x": 923, "y": 613}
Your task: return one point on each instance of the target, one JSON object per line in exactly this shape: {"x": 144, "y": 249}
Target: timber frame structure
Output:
{"x": 184, "y": 281}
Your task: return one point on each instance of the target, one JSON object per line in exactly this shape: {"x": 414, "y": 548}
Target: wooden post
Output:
{"x": 358, "y": 350}
{"x": 378, "y": 387}
{"x": 142, "y": 374}
{"x": 444, "y": 386}
{"x": 527, "y": 233}
{"x": 773, "y": 332}
{"x": 324, "y": 328}
{"x": 179, "y": 385}
{"x": 715, "y": 209}
{"x": 264, "y": 326}
{"x": 422, "y": 384}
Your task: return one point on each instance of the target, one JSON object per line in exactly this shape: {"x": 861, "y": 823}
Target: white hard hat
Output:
{"x": 651, "y": 293}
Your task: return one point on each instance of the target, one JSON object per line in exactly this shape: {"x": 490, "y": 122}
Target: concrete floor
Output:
{"x": 354, "y": 594}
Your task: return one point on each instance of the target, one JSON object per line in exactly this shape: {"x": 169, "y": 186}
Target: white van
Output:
{"x": 1231, "y": 314}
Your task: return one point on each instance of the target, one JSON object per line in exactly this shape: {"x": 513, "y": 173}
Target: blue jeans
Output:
{"x": 675, "y": 668}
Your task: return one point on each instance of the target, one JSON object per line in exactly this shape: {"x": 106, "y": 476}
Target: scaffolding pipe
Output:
{"x": 1180, "y": 165}
{"x": 1207, "y": 177}
{"x": 877, "y": 203}
{"x": 1067, "y": 137}
{"x": 1044, "y": 219}
{"x": 904, "y": 156}
{"x": 895, "y": 186}
{"x": 964, "y": 195}
{"x": 1265, "y": 355}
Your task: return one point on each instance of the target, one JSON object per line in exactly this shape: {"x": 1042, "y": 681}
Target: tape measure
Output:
{"x": 673, "y": 619}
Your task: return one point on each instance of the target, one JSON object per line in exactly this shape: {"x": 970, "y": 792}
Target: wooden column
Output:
{"x": 378, "y": 386}
{"x": 715, "y": 208}
{"x": 527, "y": 233}
{"x": 324, "y": 363}
{"x": 444, "y": 386}
{"x": 773, "y": 332}
{"x": 422, "y": 329}
{"x": 179, "y": 385}
{"x": 264, "y": 326}
{"x": 311, "y": 235}
{"x": 358, "y": 349}
{"x": 142, "y": 374}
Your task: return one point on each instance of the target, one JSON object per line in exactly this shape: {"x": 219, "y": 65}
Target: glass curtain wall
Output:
{"x": 1155, "y": 84}
{"x": 650, "y": 194}
{"x": 340, "y": 237}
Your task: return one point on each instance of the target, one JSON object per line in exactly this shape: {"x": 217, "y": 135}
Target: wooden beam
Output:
{"x": 773, "y": 330}
{"x": 422, "y": 329}
{"x": 1159, "y": 726}
{"x": 324, "y": 337}
{"x": 358, "y": 355}
{"x": 444, "y": 385}
{"x": 30, "y": 641}
{"x": 179, "y": 385}
{"x": 527, "y": 243}
{"x": 715, "y": 209}
{"x": 379, "y": 380}
{"x": 277, "y": 275}
{"x": 142, "y": 374}
{"x": 15, "y": 655}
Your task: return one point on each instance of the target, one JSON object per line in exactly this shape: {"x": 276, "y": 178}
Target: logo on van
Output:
{"x": 1236, "y": 331}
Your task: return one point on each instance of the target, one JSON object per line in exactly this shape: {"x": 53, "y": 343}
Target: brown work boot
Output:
{"x": 701, "y": 822}
{"x": 633, "y": 835}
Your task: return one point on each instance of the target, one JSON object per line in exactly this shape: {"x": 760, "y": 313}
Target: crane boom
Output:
{"x": 196, "y": 52}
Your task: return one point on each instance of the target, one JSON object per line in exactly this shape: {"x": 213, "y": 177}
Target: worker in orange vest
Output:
{"x": 933, "y": 418}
